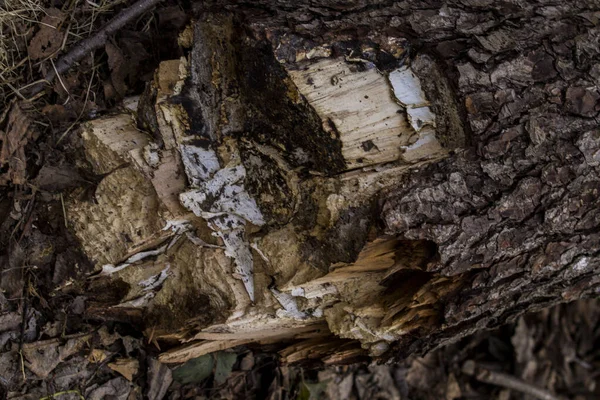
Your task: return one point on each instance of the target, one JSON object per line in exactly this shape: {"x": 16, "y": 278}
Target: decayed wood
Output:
{"x": 475, "y": 204}
{"x": 215, "y": 214}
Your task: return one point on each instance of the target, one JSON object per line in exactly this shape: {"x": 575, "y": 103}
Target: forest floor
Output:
{"x": 51, "y": 347}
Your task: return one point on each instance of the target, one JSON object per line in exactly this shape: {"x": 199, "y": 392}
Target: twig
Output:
{"x": 24, "y": 310}
{"x": 61, "y": 83}
{"x": 86, "y": 46}
{"x": 87, "y": 94}
{"x": 485, "y": 375}
{"x": 22, "y": 365}
{"x": 62, "y": 202}
{"x": 57, "y": 394}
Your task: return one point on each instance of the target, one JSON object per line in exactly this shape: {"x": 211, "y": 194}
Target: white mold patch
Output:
{"x": 144, "y": 254}
{"x": 224, "y": 193}
{"x": 236, "y": 247}
{"x": 219, "y": 196}
{"x": 289, "y": 304}
{"x": 407, "y": 89}
{"x": 156, "y": 280}
{"x": 139, "y": 302}
{"x": 109, "y": 269}
{"x": 200, "y": 164}
{"x": 409, "y": 93}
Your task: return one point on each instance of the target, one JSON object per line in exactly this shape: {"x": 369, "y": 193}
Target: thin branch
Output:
{"x": 485, "y": 375}
{"x": 92, "y": 43}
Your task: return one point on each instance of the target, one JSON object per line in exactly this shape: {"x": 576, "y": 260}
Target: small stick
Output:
{"x": 507, "y": 381}
{"x": 86, "y": 46}
{"x": 62, "y": 202}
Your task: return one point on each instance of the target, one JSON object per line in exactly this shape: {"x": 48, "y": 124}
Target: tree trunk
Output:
{"x": 351, "y": 179}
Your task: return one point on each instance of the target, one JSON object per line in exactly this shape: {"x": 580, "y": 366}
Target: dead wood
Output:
{"x": 407, "y": 192}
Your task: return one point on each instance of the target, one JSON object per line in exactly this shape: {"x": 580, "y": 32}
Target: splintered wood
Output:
{"x": 224, "y": 221}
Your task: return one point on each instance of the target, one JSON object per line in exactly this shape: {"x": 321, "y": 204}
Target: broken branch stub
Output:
{"x": 247, "y": 213}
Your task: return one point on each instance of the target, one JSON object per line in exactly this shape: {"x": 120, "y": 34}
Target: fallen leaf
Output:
{"x": 118, "y": 68}
{"x": 10, "y": 321}
{"x": 49, "y": 38}
{"x": 18, "y": 132}
{"x": 225, "y": 361}
{"x": 311, "y": 391}
{"x": 65, "y": 85}
{"x": 117, "y": 388}
{"x": 135, "y": 52}
{"x": 58, "y": 178}
{"x": 97, "y": 356}
{"x": 128, "y": 367}
{"x": 195, "y": 370}
{"x": 70, "y": 374}
{"x": 107, "y": 338}
{"x": 58, "y": 114}
{"x": 452, "y": 388}
{"x": 159, "y": 379}
{"x": 42, "y": 357}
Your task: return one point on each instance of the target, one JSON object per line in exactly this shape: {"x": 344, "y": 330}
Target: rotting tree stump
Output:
{"x": 349, "y": 193}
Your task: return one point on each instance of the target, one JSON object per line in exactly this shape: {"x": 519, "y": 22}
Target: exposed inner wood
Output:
{"x": 243, "y": 212}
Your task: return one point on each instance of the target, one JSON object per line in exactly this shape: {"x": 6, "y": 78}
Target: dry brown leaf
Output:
{"x": 9, "y": 321}
{"x": 48, "y": 39}
{"x": 127, "y": 367}
{"x": 58, "y": 178}
{"x": 118, "y": 68}
{"x": 43, "y": 357}
{"x": 18, "y": 132}
{"x": 97, "y": 356}
{"x": 159, "y": 379}
{"x": 452, "y": 388}
{"x": 117, "y": 388}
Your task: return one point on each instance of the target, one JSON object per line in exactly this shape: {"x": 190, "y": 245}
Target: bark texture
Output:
{"x": 515, "y": 216}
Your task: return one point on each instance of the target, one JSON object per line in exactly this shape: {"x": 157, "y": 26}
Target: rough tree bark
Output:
{"x": 352, "y": 179}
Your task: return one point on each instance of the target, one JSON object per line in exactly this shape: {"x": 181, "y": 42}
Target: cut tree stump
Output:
{"x": 345, "y": 195}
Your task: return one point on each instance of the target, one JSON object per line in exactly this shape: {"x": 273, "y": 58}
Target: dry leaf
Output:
{"x": 452, "y": 388}
{"x": 48, "y": 39}
{"x": 19, "y": 131}
{"x": 118, "y": 68}
{"x": 127, "y": 367}
{"x": 58, "y": 178}
{"x": 9, "y": 321}
{"x": 97, "y": 356}
{"x": 43, "y": 357}
{"x": 159, "y": 379}
{"x": 117, "y": 388}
